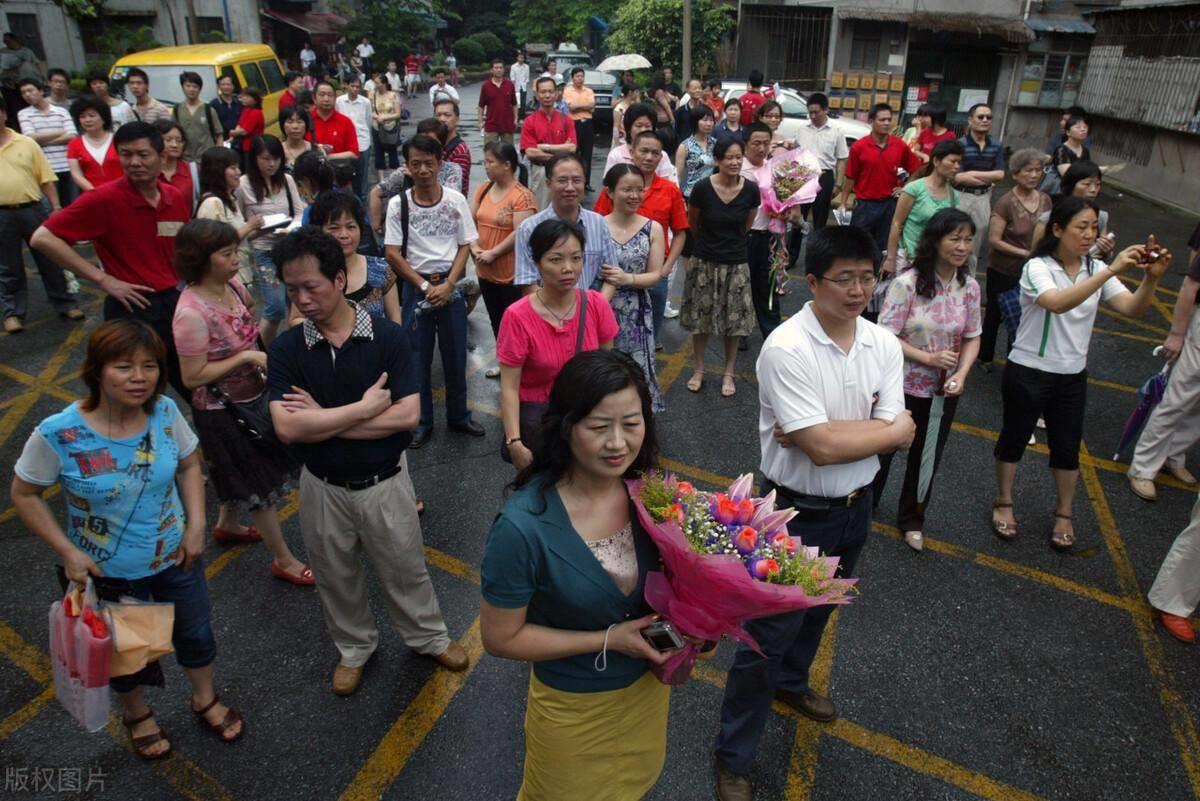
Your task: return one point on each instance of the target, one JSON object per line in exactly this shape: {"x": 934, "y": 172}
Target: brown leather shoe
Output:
{"x": 346, "y": 679}
{"x": 74, "y": 315}
{"x": 731, "y": 786}
{"x": 453, "y": 658}
{"x": 1181, "y": 474}
{"x": 810, "y": 704}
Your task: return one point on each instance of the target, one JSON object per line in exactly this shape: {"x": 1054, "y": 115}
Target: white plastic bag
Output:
{"x": 80, "y": 651}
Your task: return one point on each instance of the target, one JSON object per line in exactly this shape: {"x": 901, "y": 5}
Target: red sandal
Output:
{"x": 304, "y": 579}
{"x": 226, "y": 537}
{"x": 231, "y": 719}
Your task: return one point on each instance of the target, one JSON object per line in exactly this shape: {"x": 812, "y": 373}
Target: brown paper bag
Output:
{"x": 141, "y": 633}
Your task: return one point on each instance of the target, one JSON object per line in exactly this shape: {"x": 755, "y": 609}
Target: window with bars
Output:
{"x": 1053, "y": 73}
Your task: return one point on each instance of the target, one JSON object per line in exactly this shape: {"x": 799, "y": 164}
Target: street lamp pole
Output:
{"x": 687, "y": 41}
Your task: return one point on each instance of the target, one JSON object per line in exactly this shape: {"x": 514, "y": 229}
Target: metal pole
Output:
{"x": 686, "y": 71}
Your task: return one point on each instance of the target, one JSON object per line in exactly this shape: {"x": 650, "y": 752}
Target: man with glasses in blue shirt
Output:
{"x": 982, "y": 166}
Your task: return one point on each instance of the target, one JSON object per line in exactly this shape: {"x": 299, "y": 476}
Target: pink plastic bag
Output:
{"x": 80, "y": 650}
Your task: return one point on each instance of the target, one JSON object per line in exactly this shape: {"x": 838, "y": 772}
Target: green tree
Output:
{"x": 653, "y": 28}
{"x": 395, "y": 27}
{"x": 492, "y": 22}
{"x": 489, "y": 42}
{"x": 469, "y": 52}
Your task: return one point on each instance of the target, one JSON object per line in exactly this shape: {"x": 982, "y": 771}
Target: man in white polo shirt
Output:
{"x": 830, "y": 400}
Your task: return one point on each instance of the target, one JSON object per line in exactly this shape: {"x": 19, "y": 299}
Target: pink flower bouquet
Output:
{"x": 795, "y": 179}
{"x": 729, "y": 559}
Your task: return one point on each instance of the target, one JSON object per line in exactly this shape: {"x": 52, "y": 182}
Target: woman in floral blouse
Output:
{"x": 934, "y": 309}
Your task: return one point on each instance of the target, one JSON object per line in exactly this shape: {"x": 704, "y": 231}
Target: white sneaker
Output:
{"x": 1033, "y": 439}
{"x": 1041, "y": 423}
{"x": 670, "y": 312}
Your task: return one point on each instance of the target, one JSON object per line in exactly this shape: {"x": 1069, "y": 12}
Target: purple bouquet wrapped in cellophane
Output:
{"x": 728, "y": 559}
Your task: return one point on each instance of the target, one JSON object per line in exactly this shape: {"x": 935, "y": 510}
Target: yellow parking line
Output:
{"x": 909, "y": 756}
{"x": 11, "y": 512}
{"x": 387, "y": 761}
{"x": 27, "y": 657}
{"x": 1156, "y": 329}
{"x": 1179, "y": 717}
{"x": 34, "y": 384}
{"x": 806, "y": 745}
{"x": 26, "y": 713}
{"x": 1135, "y": 337}
{"x": 16, "y": 413}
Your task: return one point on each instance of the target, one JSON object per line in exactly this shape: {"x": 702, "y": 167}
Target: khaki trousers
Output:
{"x": 492, "y": 136}
{"x": 539, "y": 185}
{"x": 340, "y": 526}
{"x": 979, "y": 208}
{"x": 1174, "y": 424}
{"x": 1176, "y": 589}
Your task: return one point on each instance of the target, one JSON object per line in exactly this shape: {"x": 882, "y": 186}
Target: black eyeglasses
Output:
{"x": 846, "y": 281}
{"x": 983, "y": 116}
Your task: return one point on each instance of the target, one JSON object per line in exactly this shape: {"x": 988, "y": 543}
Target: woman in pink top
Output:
{"x": 542, "y": 331}
{"x": 217, "y": 337}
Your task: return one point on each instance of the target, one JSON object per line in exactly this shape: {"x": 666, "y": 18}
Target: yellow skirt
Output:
{"x": 607, "y": 746}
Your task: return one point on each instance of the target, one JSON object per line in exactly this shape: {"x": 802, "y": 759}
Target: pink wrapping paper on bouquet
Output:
{"x": 728, "y": 559}
{"x": 795, "y": 179}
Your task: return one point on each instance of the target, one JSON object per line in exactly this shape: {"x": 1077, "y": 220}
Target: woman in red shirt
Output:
{"x": 936, "y": 132}
{"x": 542, "y": 331}
{"x": 251, "y": 123}
{"x": 176, "y": 170}
{"x": 92, "y": 158}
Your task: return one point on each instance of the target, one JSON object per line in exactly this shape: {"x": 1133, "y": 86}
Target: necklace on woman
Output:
{"x": 1037, "y": 202}
{"x": 562, "y": 318}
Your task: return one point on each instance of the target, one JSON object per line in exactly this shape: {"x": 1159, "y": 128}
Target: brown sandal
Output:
{"x": 1062, "y": 541}
{"x": 231, "y": 719}
{"x": 1004, "y": 530}
{"x": 141, "y": 745}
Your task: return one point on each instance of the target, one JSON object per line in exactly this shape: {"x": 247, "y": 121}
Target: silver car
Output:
{"x": 795, "y": 116}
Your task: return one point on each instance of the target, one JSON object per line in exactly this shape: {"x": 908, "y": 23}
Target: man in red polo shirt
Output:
{"x": 412, "y": 74}
{"x": 545, "y": 134}
{"x": 498, "y": 106}
{"x": 334, "y": 132}
{"x": 878, "y": 168}
{"x": 132, "y": 223}
{"x": 295, "y": 85}
{"x": 663, "y": 203}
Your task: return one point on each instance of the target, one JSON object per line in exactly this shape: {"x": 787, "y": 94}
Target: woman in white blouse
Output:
{"x": 1046, "y": 375}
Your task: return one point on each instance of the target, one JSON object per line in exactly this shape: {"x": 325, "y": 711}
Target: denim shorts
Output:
{"x": 274, "y": 294}
{"x": 195, "y": 645}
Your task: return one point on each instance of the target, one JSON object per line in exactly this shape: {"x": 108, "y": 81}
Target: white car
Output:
{"x": 795, "y": 116}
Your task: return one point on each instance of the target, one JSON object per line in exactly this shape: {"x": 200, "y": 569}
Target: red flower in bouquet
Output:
{"x": 728, "y": 560}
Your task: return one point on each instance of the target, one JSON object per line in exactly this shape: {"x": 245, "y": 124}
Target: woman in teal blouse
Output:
{"x": 563, "y": 578}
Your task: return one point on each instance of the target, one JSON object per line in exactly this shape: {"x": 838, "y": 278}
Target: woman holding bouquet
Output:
{"x": 919, "y": 201}
{"x": 716, "y": 296}
{"x": 1046, "y": 375}
{"x": 934, "y": 311}
{"x": 562, "y": 582}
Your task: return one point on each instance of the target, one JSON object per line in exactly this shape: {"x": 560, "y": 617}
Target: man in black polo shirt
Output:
{"x": 343, "y": 393}
{"x": 982, "y": 166}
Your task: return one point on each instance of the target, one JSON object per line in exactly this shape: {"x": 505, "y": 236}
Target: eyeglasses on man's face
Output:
{"x": 865, "y": 280}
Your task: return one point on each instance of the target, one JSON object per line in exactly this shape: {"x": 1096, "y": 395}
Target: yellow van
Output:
{"x": 248, "y": 64}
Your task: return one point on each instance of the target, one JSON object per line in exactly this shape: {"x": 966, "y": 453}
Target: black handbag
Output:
{"x": 251, "y": 418}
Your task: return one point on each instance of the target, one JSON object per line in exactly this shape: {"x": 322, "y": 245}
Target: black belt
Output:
{"x": 821, "y": 502}
{"x": 15, "y": 206}
{"x": 975, "y": 190}
{"x": 360, "y": 483}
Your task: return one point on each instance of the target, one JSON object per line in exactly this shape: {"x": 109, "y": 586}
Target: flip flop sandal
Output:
{"x": 231, "y": 719}
{"x": 1001, "y": 528}
{"x": 693, "y": 385}
{"x": 1062, "y": 541}
{"x": 728, "y": 386}
{"x": 146, "y": 741}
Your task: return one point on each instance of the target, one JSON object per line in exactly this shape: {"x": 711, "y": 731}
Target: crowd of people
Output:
{"x": 296, "y": 309}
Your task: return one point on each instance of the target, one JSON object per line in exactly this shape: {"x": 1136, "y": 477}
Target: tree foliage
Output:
{"x": 555, "y": 21}
{"x": 654, "y": 29}
{"x": 395, "y": 27}
{"x": 491, "y": 22}
{"x": 488, "y": 42}
{"x": 469, "y": 51}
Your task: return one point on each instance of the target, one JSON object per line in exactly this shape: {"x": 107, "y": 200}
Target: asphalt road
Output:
{"x": 977, "y": 669}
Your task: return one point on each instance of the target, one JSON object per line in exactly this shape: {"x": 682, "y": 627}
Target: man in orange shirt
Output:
{"x": 581, "y": 101}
